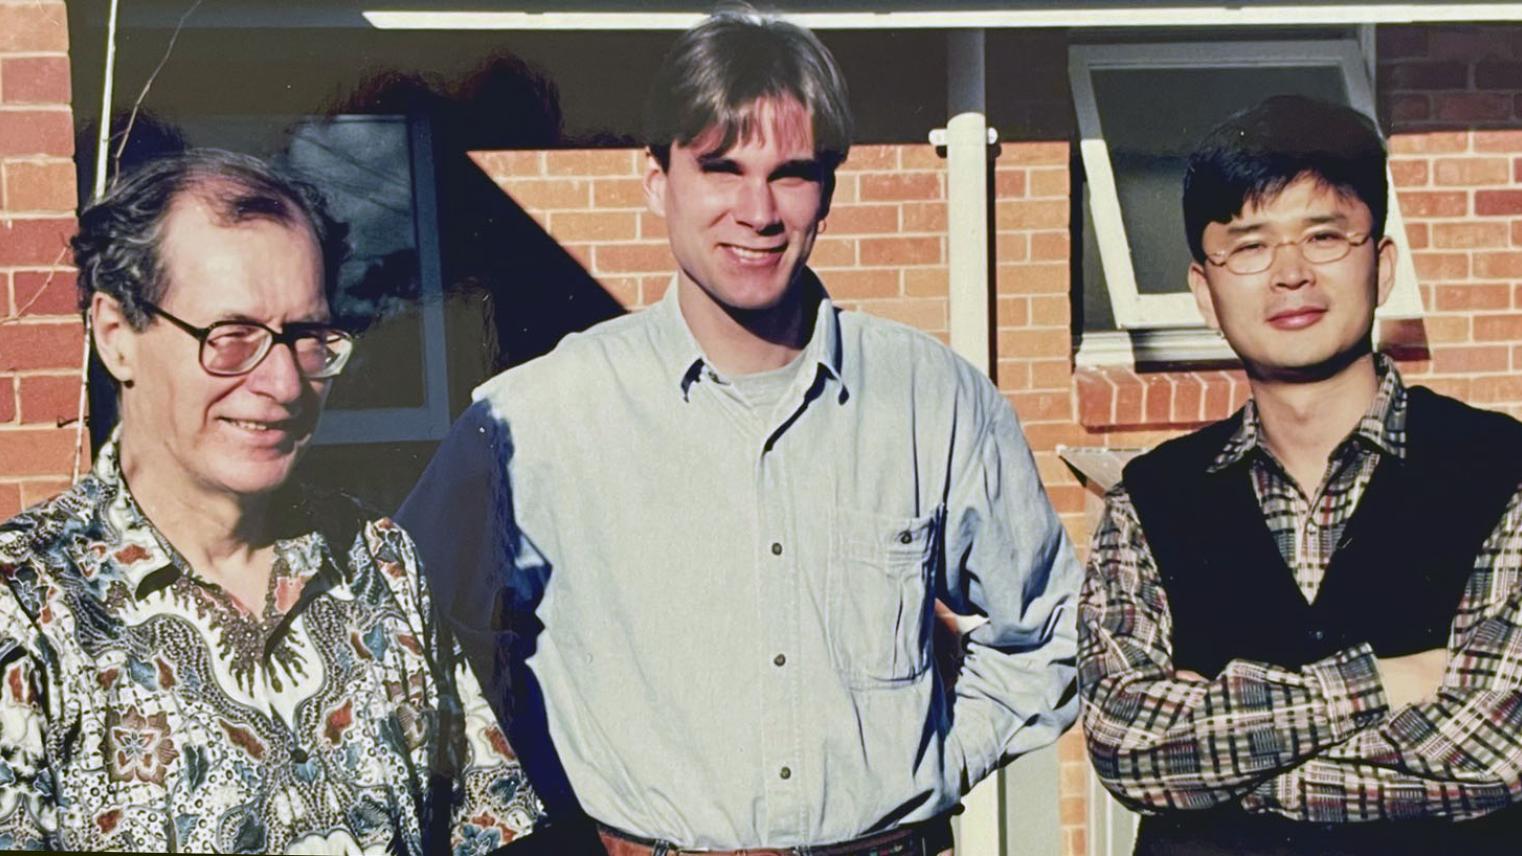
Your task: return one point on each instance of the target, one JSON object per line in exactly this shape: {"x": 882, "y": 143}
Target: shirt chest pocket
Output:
{"x": 878, "y": 596}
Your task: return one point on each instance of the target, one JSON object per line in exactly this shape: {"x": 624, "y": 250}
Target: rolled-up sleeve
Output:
{"x": 1008, "y": 559}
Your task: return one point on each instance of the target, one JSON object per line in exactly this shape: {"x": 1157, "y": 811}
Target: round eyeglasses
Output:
{"x": 231, "y": 348}
{"x": 1320, "y": 247}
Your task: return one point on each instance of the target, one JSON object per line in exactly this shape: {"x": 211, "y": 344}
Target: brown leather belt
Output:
{"x": 919, "y": 839}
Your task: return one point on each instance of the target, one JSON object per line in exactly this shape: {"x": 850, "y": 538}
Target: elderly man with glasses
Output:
{"x": 197, "y": 655}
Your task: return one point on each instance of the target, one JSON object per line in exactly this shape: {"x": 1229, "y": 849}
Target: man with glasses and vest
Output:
{"x": 722, "y": 522}
{"x": 1301, "y": 630}
{"x": 198, "y": 654}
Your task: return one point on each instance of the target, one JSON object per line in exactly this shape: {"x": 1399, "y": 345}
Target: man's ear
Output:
{"x": 655, "y": 185}
{"x": 1385, "y": 258}
{"x": 1200, "y": 287}
{"x": 115, "y": 340}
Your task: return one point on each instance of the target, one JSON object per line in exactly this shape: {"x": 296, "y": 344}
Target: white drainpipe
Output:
{"x": 966, "y": 139}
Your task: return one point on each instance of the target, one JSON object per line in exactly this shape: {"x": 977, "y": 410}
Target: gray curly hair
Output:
{"x": 118, "y": 246}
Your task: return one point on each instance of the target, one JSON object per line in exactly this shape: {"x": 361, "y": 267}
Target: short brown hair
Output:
{"x": 717, "y": 71}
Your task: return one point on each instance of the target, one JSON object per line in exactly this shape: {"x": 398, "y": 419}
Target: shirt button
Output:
{"x": 1318, "y": 635}
{"x": 299, "y": 755}
{"x": 786, "y": 773}
{"x": 776, "y": 548}
{"x": 904, "y": 537}
{"x": 780, "y": 660}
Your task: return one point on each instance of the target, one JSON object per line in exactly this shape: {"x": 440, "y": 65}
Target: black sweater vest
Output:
{"x": 1394, "y": 580}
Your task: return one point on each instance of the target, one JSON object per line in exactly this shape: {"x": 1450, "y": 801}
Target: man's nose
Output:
{"x": 755, "y": 205}
{"x": 277, "y": 375}
{"x": 1289, "y": 268}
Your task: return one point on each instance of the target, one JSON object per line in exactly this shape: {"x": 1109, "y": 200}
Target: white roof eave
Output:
{"x": 1074, "y": 16}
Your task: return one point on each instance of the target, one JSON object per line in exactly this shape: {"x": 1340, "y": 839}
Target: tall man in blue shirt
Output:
{"x": 722, "y": 523}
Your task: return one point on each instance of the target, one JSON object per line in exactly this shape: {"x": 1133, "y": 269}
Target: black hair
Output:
{"x": 1256, "y": 153}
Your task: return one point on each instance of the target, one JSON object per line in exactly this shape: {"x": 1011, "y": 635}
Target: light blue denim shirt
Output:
{"x": 736, "y": 613}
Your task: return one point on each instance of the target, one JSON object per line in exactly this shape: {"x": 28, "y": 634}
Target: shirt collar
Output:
{"x": 684, "y": 359}
{"x": 130, "y": 550}
{"x": 1382, "y": 426}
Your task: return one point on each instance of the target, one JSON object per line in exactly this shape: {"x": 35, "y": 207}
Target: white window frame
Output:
{"x": 430, "y": 420}
{"x": 1169, "y": 327}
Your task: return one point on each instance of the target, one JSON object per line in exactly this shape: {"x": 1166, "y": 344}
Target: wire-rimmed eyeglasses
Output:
{"x": 1320, "y": 247}
{"x": 231, "y": 348}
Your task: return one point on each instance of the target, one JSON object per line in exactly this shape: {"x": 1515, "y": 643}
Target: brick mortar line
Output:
{"x": 40, "y": 321}
{"x": 20, "y": 374}
{"x": 21, "y": 480}
{"x": 1032, "y": 328}
{"x": 40, "y": 159}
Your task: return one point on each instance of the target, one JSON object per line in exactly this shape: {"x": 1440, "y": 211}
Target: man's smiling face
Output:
{"x": 207, "y": 435}
{"x": 742, "y": 221}
{"x": 1296, "y": 318}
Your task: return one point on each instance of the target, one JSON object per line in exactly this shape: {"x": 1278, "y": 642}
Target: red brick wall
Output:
{"x": 40, "y": 334}
{"x": 1033, "y": 366}
{"x": 1451, "y": 98}
{"x": 882, "y": 250}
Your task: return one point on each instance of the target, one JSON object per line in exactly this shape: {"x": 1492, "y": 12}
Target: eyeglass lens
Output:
{"x": 1317, "y": 248}
{"x": 237, "y": 348}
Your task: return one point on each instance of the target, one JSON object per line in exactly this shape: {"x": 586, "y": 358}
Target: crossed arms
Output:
{"x": 1323, "y": 743}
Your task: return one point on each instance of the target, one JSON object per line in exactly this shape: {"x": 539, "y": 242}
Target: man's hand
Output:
{"x": 1411, "y": 678}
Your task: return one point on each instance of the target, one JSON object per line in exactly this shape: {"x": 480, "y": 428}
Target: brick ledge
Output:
{"x": 1112, "y": 398}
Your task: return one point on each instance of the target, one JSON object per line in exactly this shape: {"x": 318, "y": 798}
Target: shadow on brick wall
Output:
{"x": 528, "y": 292}
{"x": 511, "y": 292}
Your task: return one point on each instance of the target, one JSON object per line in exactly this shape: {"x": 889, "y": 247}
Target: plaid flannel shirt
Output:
{"x": 1320, "y": 743}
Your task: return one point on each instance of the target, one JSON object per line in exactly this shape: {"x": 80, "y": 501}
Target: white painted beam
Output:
{"x": 1138, "y": 15}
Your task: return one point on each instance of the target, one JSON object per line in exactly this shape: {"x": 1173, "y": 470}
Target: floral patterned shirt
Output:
{"x": 141, "y": 708}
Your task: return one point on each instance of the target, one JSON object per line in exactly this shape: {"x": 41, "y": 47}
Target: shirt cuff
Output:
{"x": 1350, "y": 686}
